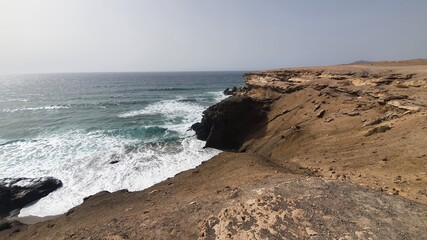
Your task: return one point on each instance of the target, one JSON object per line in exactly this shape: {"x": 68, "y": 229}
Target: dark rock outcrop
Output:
{"x": 230, "y": 91}
{"x": 228, "y": 124}
{"x": 15, "y": 193}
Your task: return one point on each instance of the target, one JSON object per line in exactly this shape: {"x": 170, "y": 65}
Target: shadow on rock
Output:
{"x": 228, "y": 124}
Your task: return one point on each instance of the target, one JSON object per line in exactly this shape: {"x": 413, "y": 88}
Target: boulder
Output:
{"x": 15, "y": 193}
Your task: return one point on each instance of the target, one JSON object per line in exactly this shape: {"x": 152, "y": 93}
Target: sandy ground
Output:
{"x": 337, "y": 146}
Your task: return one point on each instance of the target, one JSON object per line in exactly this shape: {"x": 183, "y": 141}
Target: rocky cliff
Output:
{"x": 317, "y": 153}
{"x": 229, "y": 124}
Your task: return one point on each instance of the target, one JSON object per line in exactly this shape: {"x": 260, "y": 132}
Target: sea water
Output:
{"x": 103, "y": 131}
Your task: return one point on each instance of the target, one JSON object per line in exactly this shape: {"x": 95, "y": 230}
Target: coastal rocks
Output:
{"x": 230, "y": 91}
{"x": 15, "y": 193}
{"x": 228, "y": 124}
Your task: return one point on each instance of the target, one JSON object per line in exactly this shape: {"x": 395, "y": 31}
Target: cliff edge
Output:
{"x": 333, "y": 152}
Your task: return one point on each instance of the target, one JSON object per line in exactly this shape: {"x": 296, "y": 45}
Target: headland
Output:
{"x": 335, "y": 152}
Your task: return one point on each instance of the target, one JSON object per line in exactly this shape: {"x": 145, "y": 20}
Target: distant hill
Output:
{"x": 411, "y": 61}
{"x": 360, "y": 62}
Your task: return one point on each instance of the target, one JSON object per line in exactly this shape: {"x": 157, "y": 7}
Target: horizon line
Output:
{"x": 89, "y": 72}
{"x": 187, "y": 71}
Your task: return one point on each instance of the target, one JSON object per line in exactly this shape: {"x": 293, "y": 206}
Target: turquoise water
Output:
{"x": 72, "y": 126}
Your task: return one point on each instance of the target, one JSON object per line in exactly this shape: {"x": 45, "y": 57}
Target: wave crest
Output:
{"x": 81, "y": 160}
{"x": 169, "y": 109}
{"x": 52, "y": 107}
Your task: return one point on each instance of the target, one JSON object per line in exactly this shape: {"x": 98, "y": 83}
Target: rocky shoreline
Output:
{"x": 15, "y": 193}
{"x": 333, "y": 152}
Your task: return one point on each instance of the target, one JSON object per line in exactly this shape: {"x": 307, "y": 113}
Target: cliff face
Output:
{"x": 225, "y": 125}
{"x": 307, "y": 144}
{"x": 230, "y": 123}
{"x": 361, "y": 123}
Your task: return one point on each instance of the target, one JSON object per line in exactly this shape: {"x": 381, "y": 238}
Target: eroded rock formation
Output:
{"x": 228, "y": 124}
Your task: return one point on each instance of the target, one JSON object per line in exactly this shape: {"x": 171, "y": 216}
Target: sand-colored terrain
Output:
{"x": 334, "y": 152}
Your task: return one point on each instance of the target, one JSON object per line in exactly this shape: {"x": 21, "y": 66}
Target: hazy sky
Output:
{"x": 179, "y": 35}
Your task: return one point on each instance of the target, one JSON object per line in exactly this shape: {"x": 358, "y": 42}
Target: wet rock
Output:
{"x": 15, "y": 193}
{"x": 230, "y": 91}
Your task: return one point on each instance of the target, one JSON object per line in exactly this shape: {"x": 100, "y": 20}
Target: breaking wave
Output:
{"x": 82, "y": 160}
{"x": 53, "y": 107}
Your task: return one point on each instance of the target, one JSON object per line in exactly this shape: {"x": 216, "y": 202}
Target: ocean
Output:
{"x": 103, "y": 131}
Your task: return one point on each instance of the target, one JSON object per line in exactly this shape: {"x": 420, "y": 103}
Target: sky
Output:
{"x": 38, "y": 36}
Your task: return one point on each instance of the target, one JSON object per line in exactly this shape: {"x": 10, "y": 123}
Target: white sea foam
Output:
{"x": 167, "y": 108}
{"x": 52, "y": 107}
{"x": 218, "y": 96}
{"x": 81, "y": 161}
{"x": 171, "y": 109}
{"x": 178, "y": 115}
{"x": 14, "y": 100}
